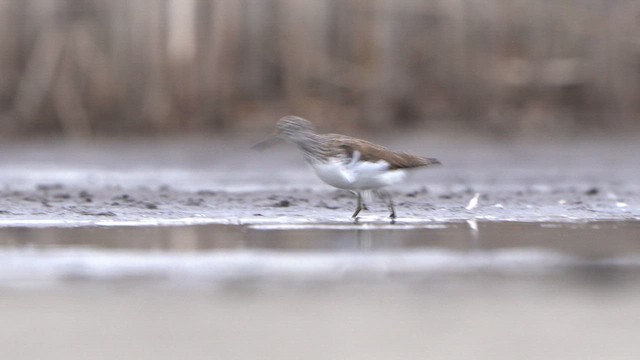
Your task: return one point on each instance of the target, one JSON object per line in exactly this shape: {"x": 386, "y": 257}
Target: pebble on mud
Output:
{"x": 48, "y": 187}
{"x": 592, "y": 191}
{"x": 194, "y": 202}
{"x": 101, "y": 213}
{"x": 123, "y": 197}
{"x": 282, "y": 203}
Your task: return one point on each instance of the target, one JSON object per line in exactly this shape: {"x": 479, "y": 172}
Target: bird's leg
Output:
{"x": 359, "y": 206}
{"x": 389, "y": 201}
{"x": 363, "y": 206}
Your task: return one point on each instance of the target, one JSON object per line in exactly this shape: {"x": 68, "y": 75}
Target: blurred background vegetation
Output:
{"x": 90, "y": 67}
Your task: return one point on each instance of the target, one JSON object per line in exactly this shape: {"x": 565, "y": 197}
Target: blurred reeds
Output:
{"x": 85, "y": 67}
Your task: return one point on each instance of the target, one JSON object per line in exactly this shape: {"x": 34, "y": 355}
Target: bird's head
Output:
{"x": 291, "y": 128}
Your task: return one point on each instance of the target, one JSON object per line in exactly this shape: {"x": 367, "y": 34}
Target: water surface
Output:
{"x": 209, "y": 254}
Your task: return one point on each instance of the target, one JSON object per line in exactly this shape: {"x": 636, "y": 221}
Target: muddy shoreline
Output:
{"x": 197, "y": 180}
{"x": 60, "y": 205}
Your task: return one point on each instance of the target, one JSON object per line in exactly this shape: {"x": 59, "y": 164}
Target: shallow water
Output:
{"x": 226, "y": 254}
{"x": 328, "y": 291}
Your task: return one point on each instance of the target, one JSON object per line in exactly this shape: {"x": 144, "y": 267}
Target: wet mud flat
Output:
{"x": 198, "y": 180}
{"x": 57, "y": 204}
{"x": 199, "y": 248}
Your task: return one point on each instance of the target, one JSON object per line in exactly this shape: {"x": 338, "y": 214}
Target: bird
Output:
{"x": 346, "y": 162}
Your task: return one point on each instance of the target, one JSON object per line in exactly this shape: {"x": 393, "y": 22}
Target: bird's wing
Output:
{"x": 369, "y": 151}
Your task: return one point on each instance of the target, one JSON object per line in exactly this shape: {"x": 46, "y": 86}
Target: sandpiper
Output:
{"x": 346, "y": 162}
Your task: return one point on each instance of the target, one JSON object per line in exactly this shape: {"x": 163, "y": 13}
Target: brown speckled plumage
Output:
{"x": 346, "y": 146}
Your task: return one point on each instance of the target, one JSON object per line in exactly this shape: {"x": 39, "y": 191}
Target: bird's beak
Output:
{"x": 268, "y": 142}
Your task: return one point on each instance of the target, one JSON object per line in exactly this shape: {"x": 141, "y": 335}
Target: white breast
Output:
{"x": 357, "y": 175}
